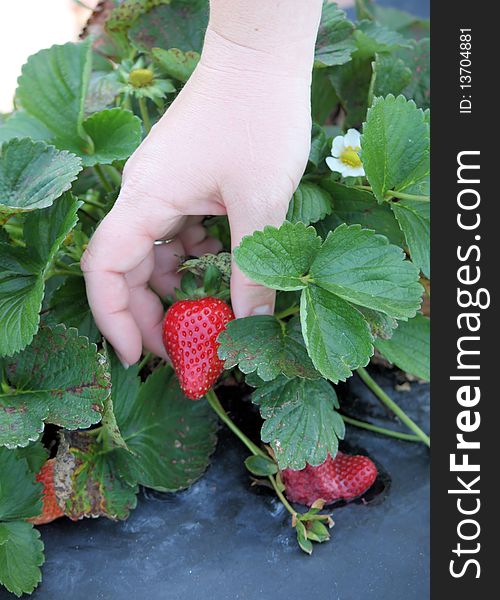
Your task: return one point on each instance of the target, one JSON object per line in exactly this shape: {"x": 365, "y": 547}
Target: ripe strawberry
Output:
{"x": 51, "y": 509}
{"x": 343, "y": 477}
{"x": 190, "y": 331}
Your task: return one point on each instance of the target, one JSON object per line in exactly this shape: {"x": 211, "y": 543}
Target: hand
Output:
{"x": 235, "y": 141}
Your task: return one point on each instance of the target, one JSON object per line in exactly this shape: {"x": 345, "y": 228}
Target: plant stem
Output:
{"x": 408, "y": 437}
{"x": 143, "y": 108}
{"x": 102, "y": 178}
{"x": 254, "y": 449}
{"x": 145, "y": 361}
{"x": 395, "y": 194}
{"x": 403, "y": 196}
{"x": 94, "y": 203}
{"x": 87, "y": 214}
{"x": 114, "y": 174}
{"x": 281, "y": 496}
{"x": 223, "y": 416}
{"x": 385, "y": 399}
{"x": 287, "y": 312}
{"x": 54, "y": 272}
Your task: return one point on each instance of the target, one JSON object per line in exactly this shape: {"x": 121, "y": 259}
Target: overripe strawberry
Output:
{"x": 341, "y": 478}
{"x": 51, "y": 509}
{"x": 190, "y": 331}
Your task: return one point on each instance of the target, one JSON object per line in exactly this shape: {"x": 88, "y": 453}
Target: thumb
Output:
{"x": 248, "y": 297}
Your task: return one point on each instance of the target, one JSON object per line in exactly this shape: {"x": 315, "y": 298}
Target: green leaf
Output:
{"x": 351, "y": 82}
{"x": 68, "y": 390}
{"x": 175, "y": 63}
{"x": 260, "y": 466}
{"x": 279, "y": 258}
{"x": 305, "y": 544}
{"x": 317, "y": 532}
{"x": 301, "y": 421}
{"x": 390, "y": 75}
{"x": 409, "y": 347}
{"x": 261, "y": 344}
{"x": 85, "y": 476}
{"x": 21, "y": 293}
{"x": 170, "y": 437}
{"x": 115, "y": 133}
{"x": 22, "y": 272}
{"x": 414, "y": 218}
{"x": 407, "y": 24}
{"x": 53, "y": 86}
{"x": 20, "y": 494}
{"x": 353, "y": 206}
{"x": 324, "y": 100}
{"x": 310, "y": 203}
{"x": 104, "y": 87}
{"x": 33, "y": 175}
{"x": 337, "y": 336}
{"x": 362, "y": 267}
{"x": 180, "y": 24}
{"x": 417, "y": 59}
{"x": 380, "y": 325}
{"x": 395, "y": 146}
{"x": 68, "y": 305}
{"x": 35, "y": 454}
{"x": 21, "y": 556}
{"x": 334, "y": 45}
{"x": 21, "y": 124}
{"x": 372, "y": 37}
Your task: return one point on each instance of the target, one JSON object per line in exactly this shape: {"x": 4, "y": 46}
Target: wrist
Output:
{"x": 267, "y": 35}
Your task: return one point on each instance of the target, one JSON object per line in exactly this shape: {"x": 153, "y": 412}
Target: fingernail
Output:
{"x": 265, "y": 309}
{"x": 125, "y": 364}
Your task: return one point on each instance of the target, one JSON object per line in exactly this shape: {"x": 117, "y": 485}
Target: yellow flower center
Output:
{"x": 141, "y": 77}
{"x": 350, "y": 157}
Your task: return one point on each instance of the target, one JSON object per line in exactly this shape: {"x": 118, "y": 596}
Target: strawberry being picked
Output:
{"x": 50, "y": 508}
{"x": 190, "y": 331}
{"x": 344, "y": 477}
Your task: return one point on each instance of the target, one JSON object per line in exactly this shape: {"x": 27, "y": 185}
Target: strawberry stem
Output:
{"x": 408, "y": 437}
{"x": 145, "y": 361}
{"x": 287, "y": 312}
{"x": 102, "y": 178}
{"x": 144, "y": 114}
{"x": 254, "y": 449}
{"x": 223, "y": 416}
{"x": 385, "y": 399}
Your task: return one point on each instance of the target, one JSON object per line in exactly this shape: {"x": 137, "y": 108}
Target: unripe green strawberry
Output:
{"x": 190, "y": 331}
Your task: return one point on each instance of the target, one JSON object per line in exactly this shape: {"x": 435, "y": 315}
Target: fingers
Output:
{"x": 192, "y": 241}
{"x": 165, "y": 277}
{"x": 122, "y": 244}
{"x": 197, "y": 242}
{"x": 249, "y": 298}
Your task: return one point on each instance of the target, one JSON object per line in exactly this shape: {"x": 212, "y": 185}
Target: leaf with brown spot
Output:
{"x": 60, "y": 378}
{"x": 86, "y": 481}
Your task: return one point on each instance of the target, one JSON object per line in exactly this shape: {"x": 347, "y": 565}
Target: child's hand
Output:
{"x": 235, "y": 141}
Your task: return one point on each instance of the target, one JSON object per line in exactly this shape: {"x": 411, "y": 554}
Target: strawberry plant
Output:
{"x": 79, "y": 433}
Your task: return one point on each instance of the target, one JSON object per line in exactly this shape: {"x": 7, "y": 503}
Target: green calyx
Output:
{"x": 139, "y": 78}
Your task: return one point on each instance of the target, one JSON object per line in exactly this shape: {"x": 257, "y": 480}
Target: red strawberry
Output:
{"x": 190, "y": 331}
{"x": 51, "y": 509}
{"x": 343, "y": 477}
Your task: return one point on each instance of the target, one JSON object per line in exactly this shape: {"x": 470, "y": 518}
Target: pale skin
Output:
{"x": 235, "y": 142}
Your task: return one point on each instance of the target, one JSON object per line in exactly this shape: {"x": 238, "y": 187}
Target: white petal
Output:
{"x": 352, "y": 138}
{"x": 356, "y": 172}
{"x": 338, "y": 146}
{"x": 335, "y": 164}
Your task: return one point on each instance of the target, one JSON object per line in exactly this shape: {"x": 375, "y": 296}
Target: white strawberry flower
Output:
{"x": 345, "y": 157}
